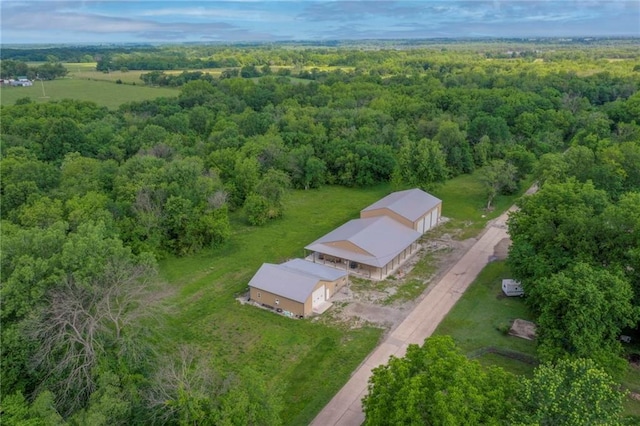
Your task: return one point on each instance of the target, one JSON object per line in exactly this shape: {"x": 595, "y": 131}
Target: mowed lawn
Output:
{"x": 103, "y": 93}
{"x": 465, "y": 201}
{"x": 306, "y": 360}
{"x": 481, "y": 317}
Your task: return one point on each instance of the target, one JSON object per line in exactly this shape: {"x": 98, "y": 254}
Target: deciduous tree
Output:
{"x": 436, "y": 384}
{"x": 572, "y": 393}
{"x": 582, "y": 312}
{"x": 499, "y": 177}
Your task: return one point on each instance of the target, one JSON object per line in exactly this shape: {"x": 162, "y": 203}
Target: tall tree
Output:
{"x": 570, "y": 393}
{"x": 456, "y": 147}
{"x": 582, "y": 312}
{"x": 421, "y": 164}
{"x": 436, "y": 384}
{"x": 555, "y": 228}
{"x": 91, "y": 314}
{"x": 498, "y": 177}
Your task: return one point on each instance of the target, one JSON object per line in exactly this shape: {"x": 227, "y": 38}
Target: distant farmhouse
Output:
{"x": 19, "y": 82}
{"x": 373, "y": 246}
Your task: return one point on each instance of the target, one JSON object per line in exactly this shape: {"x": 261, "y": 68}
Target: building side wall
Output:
{"x": 398, "y": 260}
{"x": 333, "y": 286}
{"x": 269, "y": 299}
{"x": 427, "y": 219}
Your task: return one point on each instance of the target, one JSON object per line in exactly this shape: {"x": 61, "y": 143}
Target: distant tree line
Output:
{"x": 47, "y": 71}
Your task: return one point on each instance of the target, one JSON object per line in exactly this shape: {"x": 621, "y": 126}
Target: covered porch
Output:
{"x": 362, "y": 268}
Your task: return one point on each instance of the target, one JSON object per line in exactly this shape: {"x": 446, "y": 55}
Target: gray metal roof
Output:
{"x": 294, "y": 279}
{"x": 411, "y": 203}
{"x": 320, "y": 271}
{"x": 381, "y": 237}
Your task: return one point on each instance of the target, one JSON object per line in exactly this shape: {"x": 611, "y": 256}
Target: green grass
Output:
{"x": 308, "y": 360}
{"x": 464, "y": 202}
{"x": 415, "y": 282}
{"x": 478, "y": 319}
{"x": 129, "y": 77}
{"x": 103, "y": 93}
{"x": 631, "y": 381}
{"x": 82, "y": 71}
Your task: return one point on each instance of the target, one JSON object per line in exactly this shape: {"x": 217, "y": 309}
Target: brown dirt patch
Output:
{"x": 523, "y": 329}
{"x": 357, "y": 306}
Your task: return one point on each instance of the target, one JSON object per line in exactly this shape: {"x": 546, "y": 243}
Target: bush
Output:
{"x": 257, "y": 209}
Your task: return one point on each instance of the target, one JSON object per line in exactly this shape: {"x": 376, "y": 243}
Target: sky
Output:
{"x": 82, "y": 22}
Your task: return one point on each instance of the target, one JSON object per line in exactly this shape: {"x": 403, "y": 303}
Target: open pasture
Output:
{"x": 310, "y": 361}
{"x": 481, "y": 317}
{"x": 465, "y": 204}
{"x": 103, "y": 93}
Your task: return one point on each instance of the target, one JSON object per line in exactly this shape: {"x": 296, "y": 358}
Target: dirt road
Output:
{"x": 345, "y": 409}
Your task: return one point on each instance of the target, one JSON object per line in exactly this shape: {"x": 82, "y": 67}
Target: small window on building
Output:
{"x": 259, "y": 295}
{"x": 277, "y": 301}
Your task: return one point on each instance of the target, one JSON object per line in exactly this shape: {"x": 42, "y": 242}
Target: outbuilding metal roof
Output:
{"x": 320, "y": 271}
{"x": 411, "y": 203}
{"x": 294, "y": 279}
{"x": 380, "y": 238}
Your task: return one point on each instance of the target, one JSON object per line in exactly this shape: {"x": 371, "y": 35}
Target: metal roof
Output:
{"x": 320, "y": 271}
{"x": 294, "y": 279}
{"x": 381, "y": 237}
{"x": 411, "y": 203}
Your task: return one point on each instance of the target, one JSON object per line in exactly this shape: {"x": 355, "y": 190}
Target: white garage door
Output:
{"x": 434, "y": 218}
{"x": 317, "y": 297}
{"x": 421, "y": 226}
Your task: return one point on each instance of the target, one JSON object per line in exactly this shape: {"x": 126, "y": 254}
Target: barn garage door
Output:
{"x": 434, "y": 218}
{"x": 317, "y": 297}
{"x": 421, "y": 226}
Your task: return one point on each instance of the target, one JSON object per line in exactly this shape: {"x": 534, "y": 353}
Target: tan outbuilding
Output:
{"x": 295, "y": 288}
{"x": 413, "y": 208}
{"x": 373, "y": 247}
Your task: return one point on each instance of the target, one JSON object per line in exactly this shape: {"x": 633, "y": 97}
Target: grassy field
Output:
{"x": 307, "y": 360}
{"x": 631, "y": 382}
{"x": 464, "y": 202}
{"x": 482, "y": 315}
{"x": 103, "y": 93}
{"x": 87, "y": 71}
{"x": 479, "y": 319}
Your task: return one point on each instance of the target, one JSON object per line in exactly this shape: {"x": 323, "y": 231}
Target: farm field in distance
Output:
{"x": 103, "y": 93}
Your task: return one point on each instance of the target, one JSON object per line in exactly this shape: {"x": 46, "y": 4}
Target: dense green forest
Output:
{"x": 92, "y": 198}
